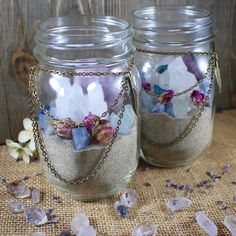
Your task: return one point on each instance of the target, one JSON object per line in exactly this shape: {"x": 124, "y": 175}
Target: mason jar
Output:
{"x": 176, "y": 60}
{"x": 84, "y": 104}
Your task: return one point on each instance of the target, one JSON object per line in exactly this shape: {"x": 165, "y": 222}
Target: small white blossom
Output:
{"x": 24, "y": 150}
{"x": 27, "y": 135}
{"x": 18, "y": 151}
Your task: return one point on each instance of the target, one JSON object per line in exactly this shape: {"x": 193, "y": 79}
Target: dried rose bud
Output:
{"x": 146, "y": 86}
{"x": 104, "y": 134}
{"x": 166, "y": 97}
{"x": 91, "y": 122}
{"x": 197, "y": 97}
{"x": 63, "y": 127}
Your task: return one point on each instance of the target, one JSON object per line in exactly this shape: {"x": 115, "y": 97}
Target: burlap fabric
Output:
{"x": 150, "y": 206}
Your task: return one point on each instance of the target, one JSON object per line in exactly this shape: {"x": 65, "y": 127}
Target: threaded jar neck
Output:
{"x": 172, "y": 26}
{"x": 83, "y": 41}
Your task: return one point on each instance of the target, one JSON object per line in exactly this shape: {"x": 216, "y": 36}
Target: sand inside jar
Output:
{"x": 160, "y": 128}
{"x": 71, "y": 164}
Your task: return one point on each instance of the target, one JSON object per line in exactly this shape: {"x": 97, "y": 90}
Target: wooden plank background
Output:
{"x": 17, "y": 27}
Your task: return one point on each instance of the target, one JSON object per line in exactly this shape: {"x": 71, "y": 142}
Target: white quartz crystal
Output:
{"x": 86, "y": 231}
{"x": 16, "y": 207}
{"x": 129, "y": 197}
{"x": 177, "y": 77}
{"x": 230, "y": 223}
{"x": 71, "y": 96}
{"x": 178, "y": 203}
{"x": 146, "y": 229}
{"x": 35, "y": 216}
{"x": 35, "y": 195}
{"x": 79, "y": 220}
{"x": 206, "y": 224}
{"x": 181, "y": 106}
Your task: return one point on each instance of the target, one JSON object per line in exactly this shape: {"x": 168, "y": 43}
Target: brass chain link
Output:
{"x": 34, "y": 101}
{"x": 212, "y": 65}
{"x": 211, "y": 53}
{"x": 67, "y": 73}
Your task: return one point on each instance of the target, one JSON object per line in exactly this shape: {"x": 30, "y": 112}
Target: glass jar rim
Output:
{"x": 171, "y": 25}
{"x": 83, "y": 40}
{"x": 201, "y": 15}
{"x": 110, "y": 27}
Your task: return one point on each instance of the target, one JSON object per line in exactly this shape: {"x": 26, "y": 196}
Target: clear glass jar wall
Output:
{"x": 79, "y": 136}
{"x": 168, "y": 107}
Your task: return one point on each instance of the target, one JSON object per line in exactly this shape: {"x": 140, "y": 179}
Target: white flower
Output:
{"x": 18, "y": 151}
{"x": 27, "y": 135}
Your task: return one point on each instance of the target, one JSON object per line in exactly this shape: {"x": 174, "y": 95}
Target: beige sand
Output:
{"x": 71, "y": 164}
{"x": 160, "y": 128}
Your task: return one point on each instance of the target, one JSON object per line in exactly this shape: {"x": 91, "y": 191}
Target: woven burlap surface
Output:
{"x": 150, "y": 206}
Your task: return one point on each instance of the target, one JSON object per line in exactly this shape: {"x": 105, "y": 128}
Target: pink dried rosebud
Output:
{"x": 105, "y": 133}
{"x": 197, "y": 97}
{"x": 146, "y": 86}
{"x": 63, "y": 127}
{"x": 91, "y": 122}
{"x": 166, "y": 96}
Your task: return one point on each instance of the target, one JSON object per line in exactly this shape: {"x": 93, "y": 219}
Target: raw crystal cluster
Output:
{"x": 127, "y": 200}
{"x": 16, "y": 207}
{"x": 71, "y": 101}
{"x": 35, "y": 195}
{"x": 35, "y": 216}
{"x": 127, "y": 120}
{"x": 179, "y": 74}
{"x": 18, "y": 189}
{"x": 206, "y": 224}
{"x": 178, "y": 203}
{"x": 230, "y": 223}
{"x": 81, "y": 226}
{"x": 146, "y": 229}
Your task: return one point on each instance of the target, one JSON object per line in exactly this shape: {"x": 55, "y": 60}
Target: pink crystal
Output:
{"x": 63, "y": 127}
{"x": 166, "y": 97}
{"x": 91, "y": 122}
{"x": 197, "y": 97}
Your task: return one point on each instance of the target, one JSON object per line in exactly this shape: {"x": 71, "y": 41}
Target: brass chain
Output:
{"x": 211, "y": 53}
{"x": 68, "y": 73}
{"x": 213, "y": 63}
{"x": 34, "y": 101}
{"x": 184, "y": 91}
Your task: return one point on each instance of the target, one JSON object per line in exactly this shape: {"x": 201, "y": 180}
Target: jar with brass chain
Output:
{"x": 83, "y": 101}
{"x": 178, "y": 65}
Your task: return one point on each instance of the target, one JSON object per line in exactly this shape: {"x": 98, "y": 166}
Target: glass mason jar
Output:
{"x": 177, "y": 82}
{"x": 84, "y": 96}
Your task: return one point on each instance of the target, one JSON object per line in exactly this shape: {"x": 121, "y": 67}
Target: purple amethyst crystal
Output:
{"x": 192, "y": 66}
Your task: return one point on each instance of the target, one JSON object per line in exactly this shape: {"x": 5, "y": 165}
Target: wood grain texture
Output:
{"x": 18, "y": 19}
